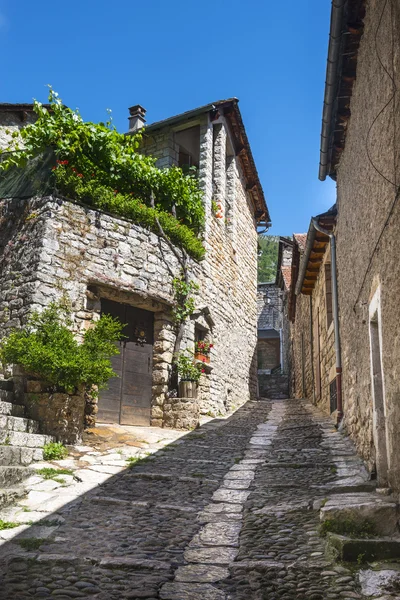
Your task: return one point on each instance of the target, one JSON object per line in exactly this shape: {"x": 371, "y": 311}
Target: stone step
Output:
{"x": 381, "y": 513}
{"x": 19, "y": 455}
{"x": 346, "y": 549}
{"x": 7, "y": 384}
{"x": 11, "y": 494}
{"x": 8, "y": 408}
{"x": 30, "y": 440}
{"x": 11, "y": 423}
{"x": 6, "y": 396}
{"x": 11, "y": 475}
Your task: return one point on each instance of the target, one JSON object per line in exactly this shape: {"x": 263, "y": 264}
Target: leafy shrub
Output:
{"x": 46, "y": 347}
{"x": 54, "y": 451}
{"x": 187, "y": 369}
{"x": 95, "y": 162}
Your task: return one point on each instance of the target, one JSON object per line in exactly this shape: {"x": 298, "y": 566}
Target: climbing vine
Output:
{"x": 98, "y": 166}
{"x": 184, "y": 302}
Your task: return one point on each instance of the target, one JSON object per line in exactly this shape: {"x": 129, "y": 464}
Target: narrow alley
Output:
{"x": 228, "y": 511}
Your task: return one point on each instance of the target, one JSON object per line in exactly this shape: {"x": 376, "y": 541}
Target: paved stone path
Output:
{"x": 227, "y": 512}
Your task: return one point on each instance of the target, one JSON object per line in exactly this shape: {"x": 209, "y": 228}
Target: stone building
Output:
{"x": 273, "y": 347}
{"x": 360, "y": 150}
{"x": 311, "y": 317}
{"x": 50, "y": 247}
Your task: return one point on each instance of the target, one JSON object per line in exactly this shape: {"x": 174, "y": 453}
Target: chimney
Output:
{"x": 136, "y": 118}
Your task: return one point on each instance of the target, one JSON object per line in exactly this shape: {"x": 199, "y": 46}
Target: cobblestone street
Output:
{"x": 229, "y": 511}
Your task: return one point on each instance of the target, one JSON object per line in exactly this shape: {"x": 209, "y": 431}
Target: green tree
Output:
{"x": 267, "y": 257}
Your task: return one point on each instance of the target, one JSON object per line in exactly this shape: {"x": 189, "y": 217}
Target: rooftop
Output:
{"x": 230, "y": 110}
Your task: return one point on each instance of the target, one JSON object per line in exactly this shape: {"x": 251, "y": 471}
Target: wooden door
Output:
{"x": 128, "y": 398}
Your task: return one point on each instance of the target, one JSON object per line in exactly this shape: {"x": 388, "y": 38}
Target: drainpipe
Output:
{"x": 335, "y": 310}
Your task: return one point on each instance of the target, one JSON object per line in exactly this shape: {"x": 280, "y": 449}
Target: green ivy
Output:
{"x": 95, "y": 161}
{"x": 47, "y": 347}
{"x": 184, "y": 304}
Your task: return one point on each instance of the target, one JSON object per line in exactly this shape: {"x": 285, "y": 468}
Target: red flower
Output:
{"x": 54, "y": 168}
{"x": 211, "y": 345}
{"x": 79, "y": 175}
{"x": 203, "y": 370}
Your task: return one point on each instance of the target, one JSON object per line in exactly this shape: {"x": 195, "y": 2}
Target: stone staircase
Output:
{"x": 20, "y": 444}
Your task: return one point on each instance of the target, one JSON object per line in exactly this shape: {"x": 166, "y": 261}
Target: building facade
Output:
{"x": 273, "y": 347}
{"x": 360, "y": 151}
{"x": 311, "y": 316}
{"x": 50, "y": 247}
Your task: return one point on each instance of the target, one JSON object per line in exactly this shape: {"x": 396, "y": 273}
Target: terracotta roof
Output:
{"x": 287, "y": 276}
{"x": 230, "y": 110}
{"x": 301, "y": 239}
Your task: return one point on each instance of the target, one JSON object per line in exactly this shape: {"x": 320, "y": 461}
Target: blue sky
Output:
{"x": 177, "y": 55}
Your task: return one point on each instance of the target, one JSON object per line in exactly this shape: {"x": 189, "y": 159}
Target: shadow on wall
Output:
{"x": 128, "y": 533}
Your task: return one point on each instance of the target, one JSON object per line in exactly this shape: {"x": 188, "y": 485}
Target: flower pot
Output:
{"x": 205, "y": 358}
{"x": 188, "y": 389}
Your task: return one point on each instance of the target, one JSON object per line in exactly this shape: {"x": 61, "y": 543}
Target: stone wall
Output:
{"x": 286, "y": 336}
{"x": 314, "y": 344}
{"x": 49, "y": 248}
{"x": 11, "y": 121}
{"x": 269, "y": 306}
{"x": 229, "y": 272}
{"x": 274, "y": 387}
{"x": 268, "y": 353}
{"x": 324, "y": 325}
{"x": 367, "y": 235}
{"x": 302, "y": 376}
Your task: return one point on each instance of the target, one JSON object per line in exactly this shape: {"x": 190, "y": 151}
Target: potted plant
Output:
{"x": 189, "y": 374}
{"x": 202, "y": 351}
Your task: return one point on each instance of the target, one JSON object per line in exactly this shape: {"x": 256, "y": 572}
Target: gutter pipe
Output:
{"x": 332, "y": 73}
{"x": 303, "y": 266}
{"x": 335, "y": 311}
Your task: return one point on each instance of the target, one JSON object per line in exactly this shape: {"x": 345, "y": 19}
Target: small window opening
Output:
{"x": 200, "y": 334}
{"x": 188, "y": 141}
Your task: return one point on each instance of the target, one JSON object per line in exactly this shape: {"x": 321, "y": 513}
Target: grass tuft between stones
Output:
{"x": 8, "y": 524}
{"x": 30, "y": 543}
{"x": 135, "y": 460}
{"x": 347, "y": 527}
{"x": 50, "y": 473}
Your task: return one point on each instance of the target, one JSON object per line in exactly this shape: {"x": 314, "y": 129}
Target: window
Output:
{"x": 188, "y": 141}
{"x": 328, "y": 294}
{"x": 200, "y": 333}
